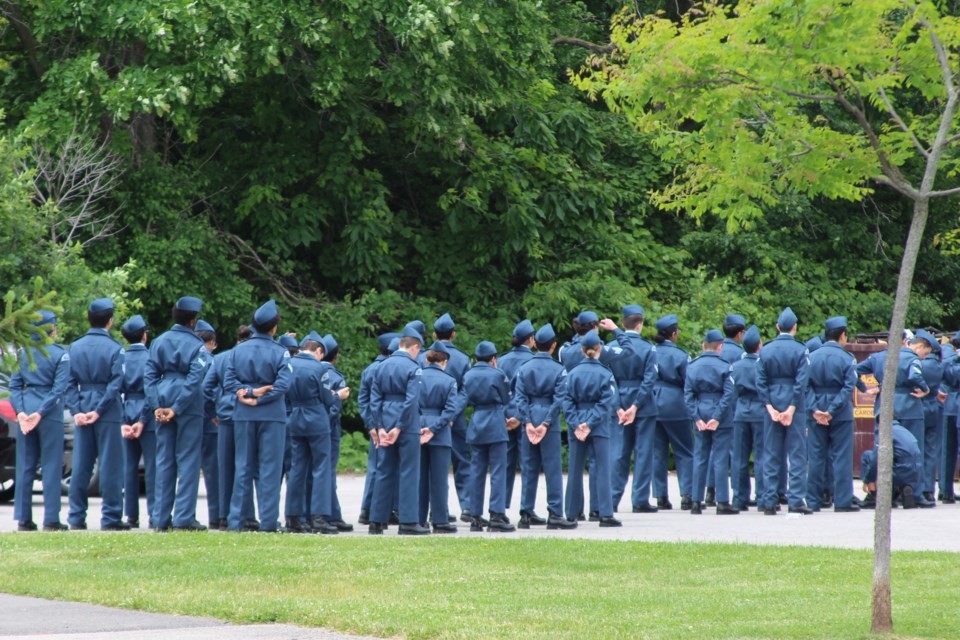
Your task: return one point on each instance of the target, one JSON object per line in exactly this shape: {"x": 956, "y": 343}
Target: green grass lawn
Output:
{"x": 496, "y": 588}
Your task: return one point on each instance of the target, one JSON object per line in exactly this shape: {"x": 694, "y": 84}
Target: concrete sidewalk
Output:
{"x": 918, "y": 529}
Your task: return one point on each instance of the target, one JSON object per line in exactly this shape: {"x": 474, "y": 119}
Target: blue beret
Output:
{"x": 101, "y": 304}
{"x": 485, "y": 349}
{"x": 410, "y": 331}
{"x": 384, "y": 340}
{"x": 203, "y": 325}
{"x": 814, "y": 343}
{"x": 523, "y": 330}
{"x": 836, "y": 322}
{"x": 394, "y": 344}
{"x": 330, "y": 344}
{"x": 590, "y": 340}
{"x": 136, "y": 323}
{"x": 751, "y": 338}
{"x": 787, "y": 319}
{"x": 287, "y": 342}
{"x": 546, "y": 334}
{"x": 735, "y": 318}
{"x": 667, "y": 321}
{"x": 266, "y": 312}
{"x": 714, "y": 335}
{"x": 632, "y": 310}
{"x": 926, "y": 336}
{"x": 439, "y": 347}
{"x": 419, "y": 327}
{"x": 444, "y": 323}
{"x": 315, "y": 337}
{"x": 586, "y": 317}
{"x": 189, "y": 303}
{"x": 47, "y": 317}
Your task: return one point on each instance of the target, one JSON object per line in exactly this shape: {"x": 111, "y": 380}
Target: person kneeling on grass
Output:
{"x": 907, "y": 465}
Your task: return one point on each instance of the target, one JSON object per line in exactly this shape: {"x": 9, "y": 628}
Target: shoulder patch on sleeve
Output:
{"x": 65, "y": 357}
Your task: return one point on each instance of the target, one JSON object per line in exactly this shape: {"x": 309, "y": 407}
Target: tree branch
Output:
{"x": 11, "y": 12}
{"x": 945, "y": 192}
{"x": 601, "y": 49}
{"x": 941, "y": 57}
{"x": 899, "y": 121}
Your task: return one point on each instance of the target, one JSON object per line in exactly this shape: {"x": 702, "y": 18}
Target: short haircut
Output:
{"x": 293, "y": 350}
{"x": 133, "y": 337}
{"x": 311, "y": 345}
{"x": 330, "y": 356}
{"x": 585, "y": 327}
{"x": 486, "y": 358}
{"x": 731, "y": 330}
{"x": 834, "y": 334}
{"x": 921, "y": 342}
{"x": 753, "y": 348}
{"x": 244, "y": 333}
{"x": 184, "y": 318}
{"x": 712, "y": 346}
{"x": 406, "y": 343}
{"x": 99, "y": 319}
{"x": 443, "y": 335}
{"x": 206, "y": 336}
{"x": 266, "y": 326}
{"x": 437, "y": 357}
{"x": 545, "y": 346}
{"x": 633, "y": 321}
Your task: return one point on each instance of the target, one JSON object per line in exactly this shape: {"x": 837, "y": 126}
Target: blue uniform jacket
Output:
{"x": 782, "y": 373}
{"x": 334, "y": 381}
{"x": 951, "y": 381}
{"x": 905, "y": 450}
{"x": 589, "y": 395}
{"x": 909, "y": 377}
{"x": 440, "y": 403}
{"x": 309, "y": 399}
{"x": 135, "y": 407}
{"x": 510, "y": 363}
{"x": 254, "y": 363}
{"x": 672, "y": 364}
{"x": 486, "y": 389}
{"x": 731, "y": 351}
{"x": 634, "y": 366}
{"x": 395, "y": 394}
{"x": 571, "y": 354}
{"x": 742, "y": 387}
{"x": 174, "y": 373}
{"x": 538, "y": 391}
{"x": 831, "y": 380}
{"x": 363, "y": 397}
{"x": 41, "y": 390}
{"x": 222, "y": 404}
{"x": 703, "y": 389}
{"x": 932, "y": 370}
{"x": 96, "y": 373}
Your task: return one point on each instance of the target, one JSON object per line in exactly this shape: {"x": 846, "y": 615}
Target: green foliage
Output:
{"x": 353, "y": 452}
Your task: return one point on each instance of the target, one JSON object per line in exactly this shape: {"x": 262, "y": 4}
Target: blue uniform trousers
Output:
{"x": 398, "y": 466}
{"x": 637, "y": 441}
{"x": 370, "y": 479}
{"x": 209, "y": 464}
{"x": 100, "y": 442}
{"x": 178, "y": 471}
{"x": 434, "y": 483}
{"x": 513, "y": 461}
{"x": 948, "y": 462}
{"x": 308, "y": 491}
{"x": 226, "y": 463}
{"x": 918, "y": 429}
{"x": 546, "y": 454}
{"x": 576, "y": 459}
{"x": 678, "y": 434}
{"x": 334, "y": 512}
{"x": 461, "y": 462}
{"x": 830, "y": 448}
{"x": 259, "y": 453}
{"x": 779, "y": 441}
{"x": 747, "y": 437}
{"x": 492, "y": 455}
{"x": 711, "y": 467}
{"x": 44, "y": 447}
{"x": 133, "y": 449}
{"x": 933, "y": 435}
{"x": 287, "y": 452}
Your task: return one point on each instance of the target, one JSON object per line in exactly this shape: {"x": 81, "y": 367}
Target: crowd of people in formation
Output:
{"x": 270, "y": 408}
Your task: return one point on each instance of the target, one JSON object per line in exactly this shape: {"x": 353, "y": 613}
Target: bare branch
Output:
{"x": 600, "y": 49}
{"x": 899, "y": 121}
{"x": 808, "y": 149}
{"x": 942, "y": 57}
{"x": 945, "y": 192}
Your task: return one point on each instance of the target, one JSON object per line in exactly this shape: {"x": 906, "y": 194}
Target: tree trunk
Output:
{"x": 882, "y": 609}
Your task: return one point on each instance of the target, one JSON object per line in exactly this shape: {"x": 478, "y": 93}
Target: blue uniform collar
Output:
{"x": 733, "y": 342}
{"x": 98, "y": 332}
{"x": 522, "y": 348}
{"x": 751, "y": 356}
{"x": 398, "y": 353}
{"x": 305, "y": 355}
{"x": 483, "y": 364}
{"x": 710, "y": 354}
{"x": 262, "y": 336}
{"x": 433, "y": 365}
{"x": 543, "y": 355}
{"x": 136, "y": 346}
{"x": 179, "y": 328}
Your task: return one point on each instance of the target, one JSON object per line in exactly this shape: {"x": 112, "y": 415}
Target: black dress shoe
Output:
{"x": 610, "y": 521}
{"x": 451, "y": 519}
{"x": 375, "y": 529}
{"x": 318, "y": 524}
{"x": 696, "y": 509}
{"x": 26, "y": 525}
{"x": 711, "y": 497}
{"x": 594, "y": 516}
{"x": 907, "y": 498}
{"x": 923, "y": 503}
{"x": 412, "y": 529}
{"x": 80, "y": 526}
{"x": 726, "y": 509}
{"x": 644, "y": 507}
{"x": 55, "y": 526}
{"x": 251, "y": 525}
{"x": 476, "y": 525}
{"x": 802, "y": 510}
{"x": 751, "y": 503}
{"x": 559, "y": 522}
{"x": 524, "y": 522}
{"x": 296, "y": 525}
{"x": 341, "y": 525}
{"x": 193, "y": 526}
{"x": 827, "y": 500}
{"x": 500, "y": 523}
{"x": 741, "y": 507}
{"x": 134, "y": 523}
{"x": 364, "y": 517}
{"x": 581, "y": 517}
{"x": 948, "y": 499}
{"x": 394, "y": 518}
{"x": 533, "y": 518}
{"x": 116, "y": 526}
{"x": 869, "y": 501}
{"x": 466, "y": 516}
{"x": 444, "y": 527}
{"x": 782, "y": 497}
{"x": 770, "y": 511}
{"x": 686, "y": 503}
{"x": 663, "y": 502}
{"x": 928, "y": 496}
{"x": 850, "y": 509}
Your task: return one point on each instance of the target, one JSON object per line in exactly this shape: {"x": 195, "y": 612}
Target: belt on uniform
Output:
{"x": 431, "y": 412}
{"x": 176, "y": 375}
{"x": 306, "y": 403}
{"x": 819, "y": 389}
{"x": 629, "y": 384}
{"x": 709, "y": 395}
{"x": 41, "y": 387}
{"x": 664, "y": 383}
{"x": 93, "y": 387}
{"x": 544, "y": 402}
{"x": 783, "y": 380}
{"x": 135, "y": 395}
{"x": 583, "y": 406}
{"x": 479, "y": 407}
{"x": 395, "y": 397}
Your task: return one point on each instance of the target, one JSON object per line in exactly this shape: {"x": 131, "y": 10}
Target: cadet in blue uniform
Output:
{"x": 289, "y": 343}
{"x": 259, "y": 373}
{"x": 748, "y": 420}
{"x": 386, "y": 347}
{"x": 830, "y": 383}
{"x": 395, "y": 412}
{"x": 139, "y": 429}
{"x": 509, "y": 363}
{"x": 93, "y": 396}
{"x": 222, "y": 405}
{"x": 951, "y": 405}
{"x": 37, "y": 397}
{"x": 734, "y": 326}
{"x": 444, "y": 330}
{"x": 932, "y": 369}
{"x": 538, "y": 391}
{"x": 673, "y": 421}
{"x": 635, "y": 369}
{"x": 486, "y": 389}
{"x": 208, "y": 443}
{"x": 589, "y": 398}
{"x": 907, "y": 467}
{"x": 337, "y": 384}
{"x": 825, "y": 472}
{"x": 703, "y": 393}
{"x": 781, "y": 385}
{"x": 310, "y": 403}
{"x": 439, "y": 405}
{"x": 173, "y": 382}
